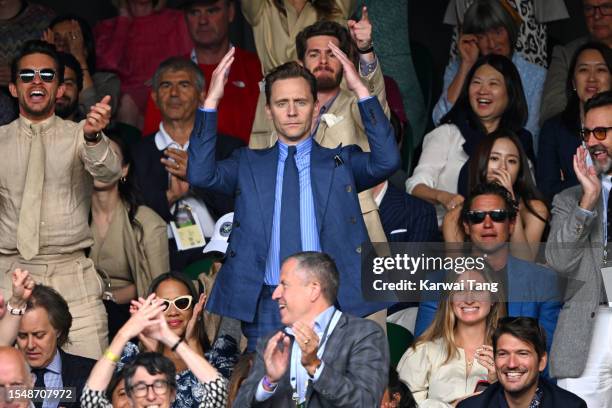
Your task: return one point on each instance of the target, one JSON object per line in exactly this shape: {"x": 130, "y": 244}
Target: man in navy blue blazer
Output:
{"x": 328, "y": 208}
{"x": 532, "y": 290}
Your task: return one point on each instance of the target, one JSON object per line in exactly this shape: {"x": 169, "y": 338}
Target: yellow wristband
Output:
{"x": 111, "y": 356}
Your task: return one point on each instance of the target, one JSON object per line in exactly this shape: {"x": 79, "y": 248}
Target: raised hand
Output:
{"x": 353, "y": 80}
{"x": 175, "y": 161}
{"x": 218, "y": 80}
{"x": 98, "y": 117}
{"x": 449, "y": 200}
{"x": 468, "y": 49}
{"x": 361, "y": 31}
{"x": 47, "y": 36}
{"x": 195, "y": 319}
{"x": 144, "y": 315}
{"x": 588, "y": 178}
{"x": 75, "y": 43}
{"x": 503, "y": 178}
{"x": 276, "y": 356}
{"x": 23, "y": 284}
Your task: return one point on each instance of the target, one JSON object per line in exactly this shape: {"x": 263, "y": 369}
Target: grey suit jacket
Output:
{"x": 575, "y": 250}
{"x": 355, "y": 374}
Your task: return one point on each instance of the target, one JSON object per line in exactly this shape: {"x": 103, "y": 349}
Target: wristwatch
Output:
{"x": 15, "y": 311}
{"x": 95, "y": 138}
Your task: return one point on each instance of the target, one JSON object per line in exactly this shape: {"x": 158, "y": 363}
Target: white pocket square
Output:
{"x": 331, "y": 119}
{"x": 398, "y": 231}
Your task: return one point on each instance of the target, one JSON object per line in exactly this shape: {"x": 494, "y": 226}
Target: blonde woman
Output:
{"x": 454, "y": 354}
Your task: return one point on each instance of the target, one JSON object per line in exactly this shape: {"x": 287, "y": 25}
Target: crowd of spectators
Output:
{"x": 185, "y": 222}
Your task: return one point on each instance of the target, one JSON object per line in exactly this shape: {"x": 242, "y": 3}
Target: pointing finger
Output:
{"x": 364, "y": 14}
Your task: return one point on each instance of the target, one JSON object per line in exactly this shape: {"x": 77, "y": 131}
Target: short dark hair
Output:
{"x": 526, "y": 329}
{"x": 57, "y": 309}
{"x": 154, "y": 363}
{"x": 323, "y": 27}
{"x": 88, "y": 37}
{"x": 289, "y": 70}
{"x": 598, "y": 101}
{"x": 489, "y": 189}
{"x": 71, "y": 62}
{"x": 485, "y": 15}
{"x": 179, "y": 64}
{"x": 37, "y": 47}
{"x": 321, "y": 267}
{"x": 516, "y": 113}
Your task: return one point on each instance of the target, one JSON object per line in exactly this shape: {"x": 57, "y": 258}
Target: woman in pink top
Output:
{"x": 133, "y": 44}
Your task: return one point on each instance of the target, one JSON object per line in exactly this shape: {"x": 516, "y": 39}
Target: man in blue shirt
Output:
{"x": 295, "y": 196}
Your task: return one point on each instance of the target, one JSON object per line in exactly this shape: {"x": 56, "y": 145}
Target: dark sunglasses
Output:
{"x": 476, "y": 217}
{"x": 600, "y": 133}
{"x": 181, "y": 302}
{"x": 45, "y": 74}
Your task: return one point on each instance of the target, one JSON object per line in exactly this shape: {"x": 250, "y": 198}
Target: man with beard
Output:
{"x": 488, "y": 218}
{"x": 519, "y": 347}
{"x": 47, "y": 168}
{"x": 339, "y": 121}
{"x": 67, "y": 105}
{"x": 581, "y": 217}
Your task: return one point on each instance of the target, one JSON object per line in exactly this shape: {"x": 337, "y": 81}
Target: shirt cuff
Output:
{"x": 262, "y": 394}
{"x": 207, "y": 109}
{"x": 367, "y": 98}
{"x": 318, "y": 371}
{"x": 586, "y": 213}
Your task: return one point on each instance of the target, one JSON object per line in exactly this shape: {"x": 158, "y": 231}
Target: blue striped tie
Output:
{"x": 290, "y": 231}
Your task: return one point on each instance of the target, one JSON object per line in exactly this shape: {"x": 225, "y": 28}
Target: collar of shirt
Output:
{"x": 42, "y": 126}
{"x": 381, "y": 194}
{"x": 606, "y": 186}
{"x": 194, "y": 54}
{"x": 164, "y": 141}
{"x": 55, "y": 366}
{"x": 303, "y": 149}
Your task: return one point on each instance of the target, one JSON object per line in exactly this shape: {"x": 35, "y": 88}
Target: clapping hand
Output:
{"x": 145, "y": 313}
{"x": 468, "y": 49}
{"x": 353, "y": 80}
{"x": 484, "y": 355}
{"x": 218, "y": 80}
{"x": 276, "y": 356}
{"x": 196, "y": 318}
{"x": 308, "y": 341}
{"x": 588, "y": 179}
{"x": 23, "y": 284}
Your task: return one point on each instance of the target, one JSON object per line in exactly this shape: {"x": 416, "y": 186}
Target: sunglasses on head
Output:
{"x": 476, "y": 217}
{"x": 181, "y": 302}
{"x": 600, "y": 133}
{"x": 45, "y": 74}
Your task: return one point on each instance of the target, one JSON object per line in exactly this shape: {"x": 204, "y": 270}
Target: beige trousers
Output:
{"x": 74, "y": 277}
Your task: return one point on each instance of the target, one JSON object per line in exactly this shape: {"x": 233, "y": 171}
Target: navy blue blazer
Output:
{"x": 406, "y": 218}
{"x": 75, "y": 371}
{"x": 337, "y": 175}
{"x": 553, "y": 397}
{"x": 557, "y": 146}
{"x": 533, "y": 291}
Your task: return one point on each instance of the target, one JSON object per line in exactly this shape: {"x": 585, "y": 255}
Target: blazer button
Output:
{"x": 358, "y": 249}
{"x": 349, "y": 188}
{"x": 236, "y": 224}
{"x": 592, "y": 315}
{"x": 232, "y": 253}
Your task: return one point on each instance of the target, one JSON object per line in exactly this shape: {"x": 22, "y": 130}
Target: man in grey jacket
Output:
{"x": 580, "y": 354}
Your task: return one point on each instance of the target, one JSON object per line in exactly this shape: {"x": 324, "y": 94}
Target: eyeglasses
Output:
{"x": 141, "y": 389}
{"x": 181, "y": 302}
{"x": 604, "y": 10}
{"x": 476, "y": 217}
{"x": 45, "y": 74}
{"x": 600, "y": 133}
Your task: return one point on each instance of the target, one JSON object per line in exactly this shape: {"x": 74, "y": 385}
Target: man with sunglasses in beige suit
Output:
{"x": 579, "y": 247}
{"x": 47, "y": 168}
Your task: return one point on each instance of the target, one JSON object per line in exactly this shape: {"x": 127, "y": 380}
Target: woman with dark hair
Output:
{"x": 492, "y": 97}
{"x": 397, "y": 395}
{"x": 130, "y": 241}
{"x": 500, "y": 158}
{"x": 150, "y": 378}
{"x": 133, "y": 44}
{"x": 446, "y": 363}
{"x": 72, "y": 34}
{"x": 183, "y": 312}
{"x": 589, "y": 74}
{"x": 491, "y": 27}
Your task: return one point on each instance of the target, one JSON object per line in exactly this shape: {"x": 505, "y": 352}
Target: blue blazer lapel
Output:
{"x": 264, "y": 164}
{"x": 322, "y": 167}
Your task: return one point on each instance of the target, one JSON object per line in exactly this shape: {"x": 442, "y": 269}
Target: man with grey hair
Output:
{"x": 323, "y": 357}
{"x": 160, "y": 162}
{"x": 14, "y": 375}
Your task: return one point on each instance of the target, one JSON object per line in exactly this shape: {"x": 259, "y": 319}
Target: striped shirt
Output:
{"x": 308, "y": 221}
